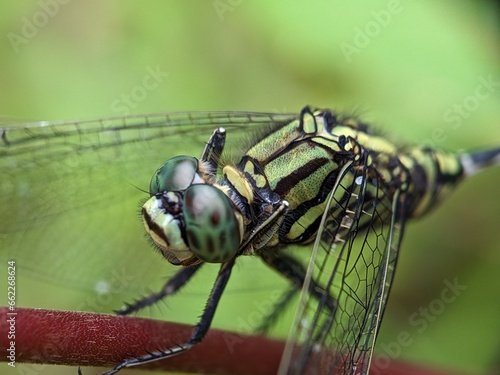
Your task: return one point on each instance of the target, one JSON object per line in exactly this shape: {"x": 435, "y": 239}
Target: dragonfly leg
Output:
{"x": 171, "y": 287}
{"x": 213, "y": 149}
{"x": 200, "y": 329}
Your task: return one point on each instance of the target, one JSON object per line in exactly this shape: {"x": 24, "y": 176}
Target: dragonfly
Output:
{"x": 319, "y": 181}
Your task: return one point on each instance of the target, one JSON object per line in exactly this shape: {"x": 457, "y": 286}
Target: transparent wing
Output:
{"x": 353, "y": 263}
{"x": 70, "y": 192}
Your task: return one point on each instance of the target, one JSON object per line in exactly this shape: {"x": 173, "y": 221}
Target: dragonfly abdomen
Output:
{"x": 433, "y": 176}
{"x": 435, "y": 173}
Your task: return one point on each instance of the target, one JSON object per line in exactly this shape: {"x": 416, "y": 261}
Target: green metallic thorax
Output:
{"x": 300, "y": 162}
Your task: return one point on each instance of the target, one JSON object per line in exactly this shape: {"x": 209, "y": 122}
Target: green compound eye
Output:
{"x": 211, "y": 227}
{"x": 175, "y": 175}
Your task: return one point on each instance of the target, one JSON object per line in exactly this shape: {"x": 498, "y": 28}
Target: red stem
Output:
{"x": 88, "y": 339}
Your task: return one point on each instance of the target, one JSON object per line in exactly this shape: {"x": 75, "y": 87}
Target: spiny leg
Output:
{"x": 200, "y": 330}
{"x": 213, "y": 149}
{"x": 171, "y": 287}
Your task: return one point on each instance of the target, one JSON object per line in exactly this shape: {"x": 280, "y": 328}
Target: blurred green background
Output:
{"x": 412, "y": 68}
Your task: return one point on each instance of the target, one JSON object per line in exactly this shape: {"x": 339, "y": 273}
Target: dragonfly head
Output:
{"x": 190, "y": 220}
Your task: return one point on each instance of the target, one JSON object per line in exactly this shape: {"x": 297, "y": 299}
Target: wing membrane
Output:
{"x": 71, "y": 190}
{"x": 355, "y": 255}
